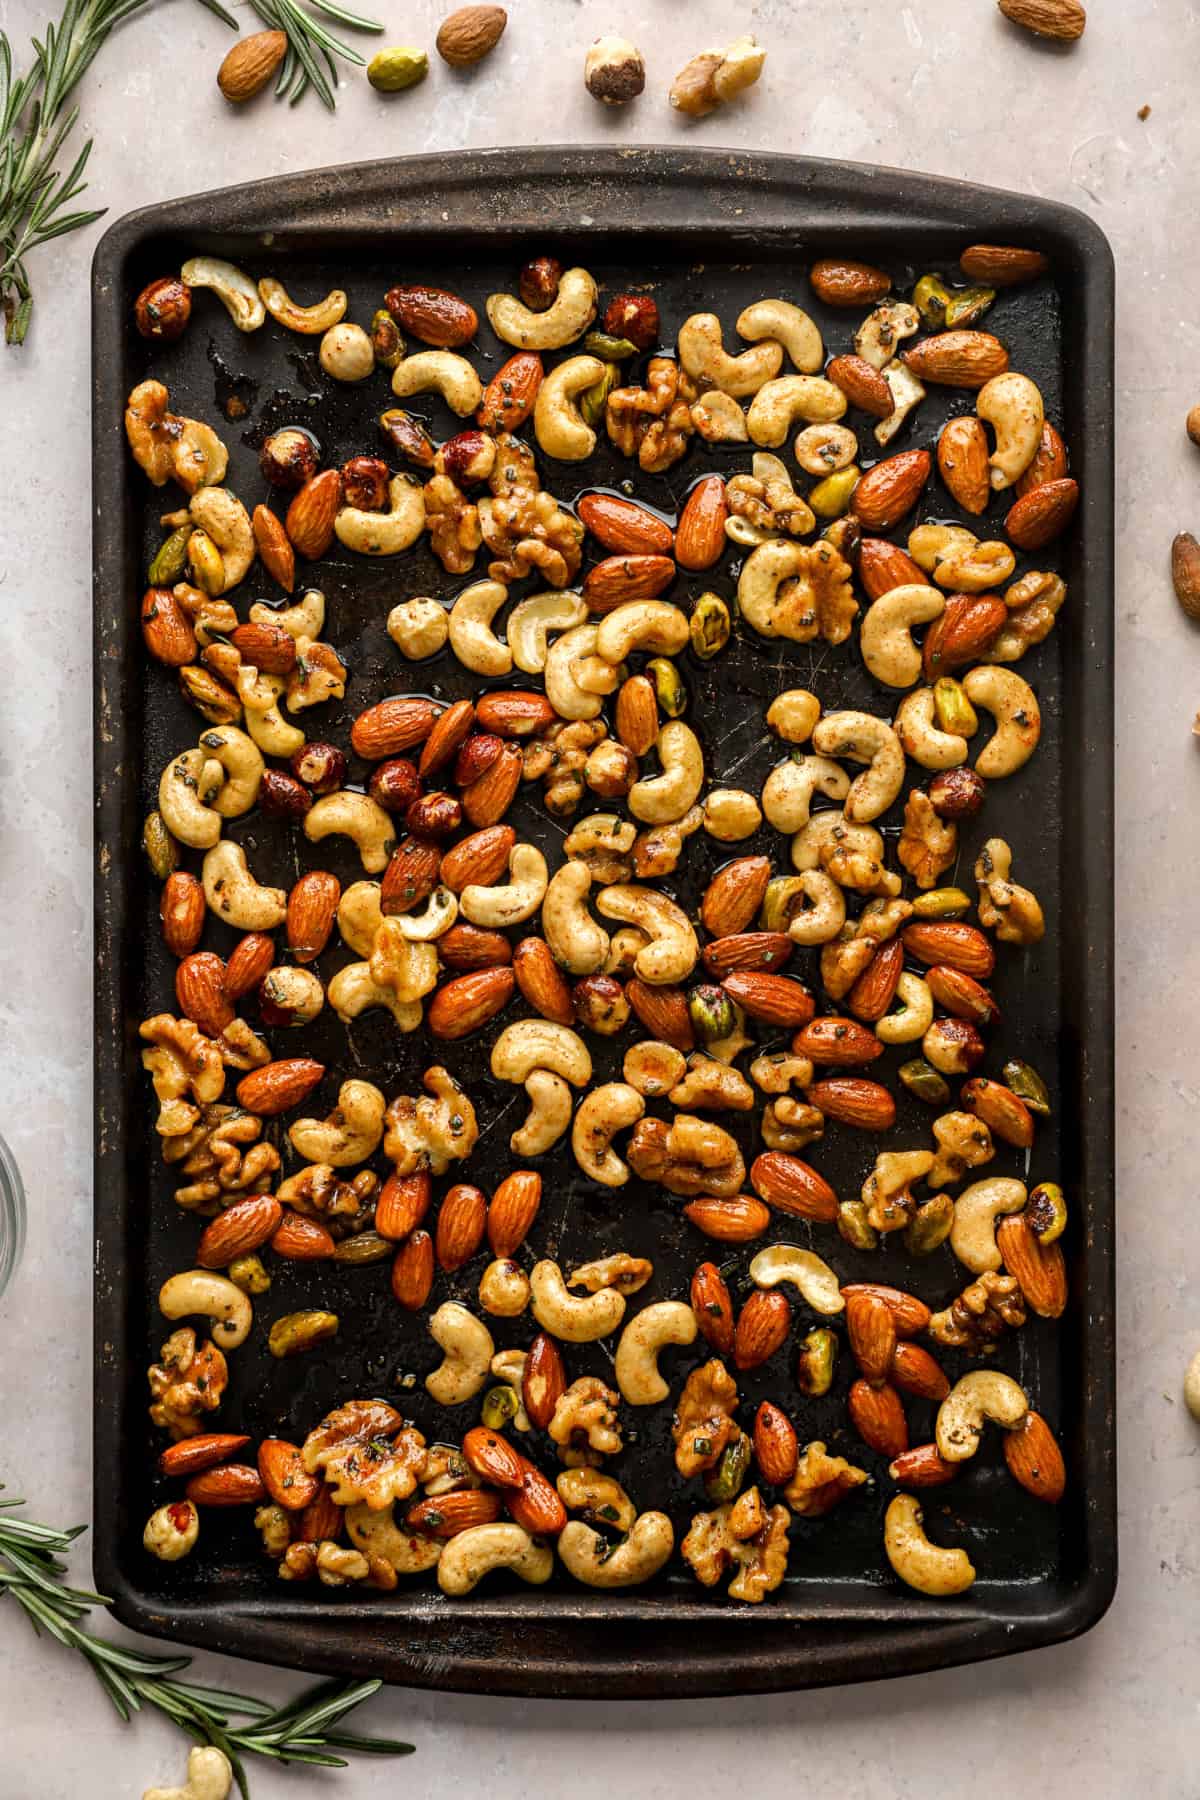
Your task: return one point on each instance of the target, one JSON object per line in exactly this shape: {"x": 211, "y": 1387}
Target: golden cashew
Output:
{"x": 832, "y": 828}
{"x": 671, "y": 954}
{"x": 574, "y": 1318}
{"x": 350, "y": 1134}
{"x": 504, "y": 1289}
{"x": 973, "y": 1234}
{"x": 788, "y": 325}
{"x": 731, "y": 814}
{"x": 823, "y": 917}
{"x": 418, "y": 627}
{"x": 310, "y": 321}
{"x": 198, "y": 1293}
{"x": 929, "y": 545}
{"x": 166, "y": 445}
{"x": 812, "y": 1278}
{"x": 468, "y": 1350}
{"x": 549, "y": 1116}
{"x": 1013, "y": 704}
{"x": 305, "y": 618}
{"x": 982, "y": 1395}
{"x": 1013, "y": 912}
{"x": 919, "y": 735}
{"x": 359, "y": 916}
{"x": 532, "y": 618}
{"x": 233, "y": 288}
{"x": 610, "y": 1108}
{"x": 406, "y": 965}
{"x": 825, "y": 449}
{"x": 792, "y": 715}
{"x": 592, "y": 1560}
{"x": 719, "y": 419}
{"x": 209, "y": 1777}
{"x": 531, "y": 1044}
{"x": 220, "y": 516}
{"x": 558, "y": 425}
{"x": 474, "y": 1553}
{"x": 863, "y": 738}
{"x": 789, "y": 788}
{"x": 657, "y": 1325}
{"x": 272, "y": 733}
{"x": 704, "y": 357}
{"x": 907, "y": 393}
{"x": 570, "y": 658}
{"x": 184, "y": 794}
{"x": 777, "y": 406}
{"x": 374, "y": 1531}
{"x": 925, "y": 1566}
{"x": 234, "y": 895}
{"x": 880, "y": 332}
{"x": 654, "y": 625}
{"x": 513, "y": 902}
{"x": 764, "y": 573}
{"x": 598, "y": 1495}
{"x": 780, "y": 1072}
{"x": 573, "y": 310}
{"x": 975, "y": 568}
{"x": 1012, "y": 405}
{"x": 171, "y": 1531}
{"x": 384, "y": 533}
{"x": 576, "y": 942}
{"x": 356, "y": 816}
{"x": 886, "y": 636}
{"x": 915, "y": 1017}
{"x": 508, "y": 1366}
{"x": 471, "y": 636}
{"x": 439, "y": 371}
{"x": 662, "y": 799}
{"x": 354, "y": 991}
{"x": 243, "y": 766}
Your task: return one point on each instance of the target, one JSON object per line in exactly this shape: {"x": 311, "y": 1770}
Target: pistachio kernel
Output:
{"x": 929, "y": 1226}
{"x": 391, "y": 71}
{"x": 923, "y": 1080}
{"x": 1046, "y": 1210}
{"x": 709, "y": 626}
{"x": 941, "y": 903}
{"x": 725, "y": 1482}
{"x": 162, "y": 852}
{"x": 672, "y": 695}
{"x": 854, "y": 1227}
{"x": 499, "y": 1407}
{"x": 1028, "y": 1086}
{"x": 815, "y": 1364}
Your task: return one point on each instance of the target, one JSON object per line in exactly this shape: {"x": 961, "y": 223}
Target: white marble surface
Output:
{"x": 948, "y": 88}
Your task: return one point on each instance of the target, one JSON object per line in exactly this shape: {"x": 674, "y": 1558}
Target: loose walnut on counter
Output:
{"x": 703, "y": 1422}
{"x": 188, "y": 1382}
{"x": 653, "y": 423}
{"x": 746, "y": 1534}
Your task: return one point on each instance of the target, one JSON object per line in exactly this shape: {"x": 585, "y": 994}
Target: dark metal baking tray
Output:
{"x": 711, "y": 230}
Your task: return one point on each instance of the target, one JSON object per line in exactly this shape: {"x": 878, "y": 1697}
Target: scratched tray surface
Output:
{"x": 1031, "y": 1559}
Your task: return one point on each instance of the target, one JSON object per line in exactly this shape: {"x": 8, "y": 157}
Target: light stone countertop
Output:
{"x": 948, "y": 88}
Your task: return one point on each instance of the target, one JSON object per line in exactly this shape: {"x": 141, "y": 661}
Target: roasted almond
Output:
{"x": 962, "y": 996}
{"x": 1185, "y": 575}
{"x": 910, "y": 1314}
{"x": 1039, "y": 1269}
{"x": 493, "y": 1458}
{"x": 301, "y": 1239}
{"x": 239, "y": 1229}
{"x": 249, "y": 66}
{"x": 182, "y": 910}
{"x": 229, "y": 1484}
{"x": 1035, "y": 1460}
{"x": 1004, "y": 1113}
{"x": 201, "y": 993}
{"x": 1062, "y": 20}
{"x": 410, "y": 877}
{"x": 1002, "y": 265}
{"x": 447, "y": 735}
{"x": 700, "y": 533}
{"x": 624, "y": 526}
{"x": 734, "y": 895}
{"x": 891, "y": 489}
{"x": 839, "y": 282}
{"x": 392, "y": 726}
{"x": 412, "y": 1271}
{"x": 508, "y": 398}
{"x": 1042, "y": 514}
{"x": 949, "y": 941}
{"x": 192, "y": 1455}
{"x": 915, "y": 1372}
{"x": 776, "y": 1450}
{"x": 883, "y": 566}
{"x": 862, "y": 384}
{"x": 445, "y": 1515}
{"x": 1049, "y": 462}
{"x": 252, "y": 957}
{"x": 922, "y": 1467}
{"x": 761, "y": 1328}
{"x": 166, "y": 629}
{"x": 871, "y": 1331}
{"x": 842, "y": 1043}
{"x": 637, "y": 714}
{"x": 309, "y": 521}
{"x": 663, "y": 1011}
{"x": 542, "y": 982}
{"x": 872, "y": 994}
{"x": 792, "y": 1186}
{"x": 461, "y": 1220}
{"x": 469, "y": 34}
{"x": 311, "y": 910}
{"x": 761, "y": 951}
{"x": 461, "y": 1006}
{"x": 713, "y": 1307}
{"x": 513, "y": 714}
{"x": 865, "y": 1105}
{"x": 618, "y": 579}
{"x": 275, "y": 551}
{"x": 773, "y": 999}
{"x": 543, "y": 1380}
{"x": 488, "y": 798}
{"x": 962, "y": 457}
{"x": 287, "y": 1481}
{"x": 961, "y": 359}
{"x": 479, "y": 859}
{"x": 402, "y": 1204}
{"x": 467, "y": 947}
{"x": 733, "y": 1221}
{"x": 535, "y": 1505}
{"x": 877, "y": 1415}
{"x": 513, "y": 1208}
{"x": 278, "y": 1086}
{"x": 432, "y": 314}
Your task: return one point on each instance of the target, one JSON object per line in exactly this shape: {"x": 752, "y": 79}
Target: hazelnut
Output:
{"x": 289, "y": 457}
{"x": 467, "y": 458}
{"x": 614, "y": 71}
{"x": 365, "y": 483}
{"x": 163, "y": 308}
{"x": 433, "y": 815}
{"x": 633, "y": 316}
{"x": 395, "y": 784}
{"x": 957, "y": 793}
{"x": 282, "y": 796}
{"x": 600, "y": 1004}
{"x": 477, "y": 754}
{"x": 1193, "y": 424}
{"x": 289, "y": 996}
{"x": 538, "y": 282}
{"x": 321, "y": 767}
{"x": 611, "y": 770}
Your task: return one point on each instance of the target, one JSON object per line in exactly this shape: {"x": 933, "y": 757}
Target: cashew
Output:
{"x": 234, "y": 289}
{"x": 171, "y": 1531}
{"x": 468, "y": 1350}
{"x": 558, "y": 424}
{"x": 663, "y": 1322}
{"x": 532, "y": 618}
{"x": 654, "y": 625}
{"x": 1013, "y": 704}
{"x": 531, "y": 1044}
{"x": 270, "y": 731}
{"x": 1012, "y": 405}
{"x": 350, "y": 1134}
{"x": 183, "y": 800}
{"x": 789, "y": 788}
{"x": 573, "y": 310}
{"x": 471, "y": 636}
{"x": 1013, "y": 912}
{"x": 441, "y": 371}
{"x": 305, "y": 618}
{"x": 199, "y": 1293}
{"x": 354, "y": 991}
{"x": 662, "y": 799}
{"x": 920, "y": 737}
{"x": 475, "y": 1552}
{"x": 569, "y": 658}
{"x": 813, "y": 1279}
{"x": 833, "y": 828}
{"x": 597, "y": 1496}
{"x": 549, "y": 1115}
{"x": 359, "y": 916}
{"x": 825, "y": 449}
{"x": 374, "y": 1531}
{"x": 823, "y": 917}
{"x": 384, "y": 533}
{"x": 508, "y": 1366}
{"x": 971, "y": 569}
{"x": 243, "y": 766}
{"x": 512, "y": 902}
{"x": 719, "y": 419}
{"x": 787, "y": 325}
{"x": 418, "y": 627}
{"x": 792, "y": 715}
{"x": 907, "y": 393}
{"x": 876, "y": 338}
{"x": 886, "y": 635}
{"x": 863, "y": 738}
{"x": 973, "y": 1234}
{"x": 705, "y": 359}
{"x": 671, "y": 954}
{"x": 310, "y": 321}
{"x": 916, "y": 1016}
{"x": 209, "y": 1776}
{"x": 576, "y": 942}
{"x": 220, "y": 516}
{"x": 574, "y": 1318}
{"x": 777, "y": 406}
{"x": 592, "y": 1560}
{"x": 407, "y": 966}
{"x": 923, "y": 1565}
{"x": 234, "y": 895}
{"x": 356, "y": 816}
{"x": 764, "y": 573}
{"x": 608, "y": 1109}
{"x": 983, "y": 1394}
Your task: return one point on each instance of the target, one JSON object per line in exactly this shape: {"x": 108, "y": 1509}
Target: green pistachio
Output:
{"x": 854, "y": 1227}
{"x": 171, "y": 559}
{"x": 608, "y": 348}
{"x": 725, "y": 1481}
{"x": 249, "y": 1273}
{"x": 952, "y": 709}
{"x": 1028, "y": 1086}
{"x": 783, "y": 899}
{"x": 931, "y": 297}
{"x": 391, "y": 71}
{"x": 711, "y": 1012}
{"x": 499, "y": 1407}
{"x": 930, "y": 1225}
{"x": 162, "y": 852}
{"x": 967, "y": 305}
{"x": 941, "y": 903}
{"x": 831, "y": 497}
{"x": 206, "y": 564}
{"x": 709, "y": 626}
{"x": 593, "y": 399}
{"x": 814, "y": 1369}
{"x": 672, "y": 695}
{"x": 297, "y": 1332}
{"x": 386, "y": 340}
{"x": 366, "y": 1247}
{"x": 1046, "y": 1210}
{"x": 923, "y": 1080}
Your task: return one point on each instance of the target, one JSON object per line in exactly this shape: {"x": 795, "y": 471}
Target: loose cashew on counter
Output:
{"x": 546, "y": 1057}
{"x": 200, "y": 1293}
{"x": 559, "y": 426}
{"x": 784, "y": 324}
{"x": 1013, "y": 704}
{"x": 533, "y": 618}
{"x": 612, "y": 1107}
{"x": 663, "y": 799}
{"x": 703, "y": 356}
{"x": 358, "y": 817}
{"x": 309, "y": 321}
{"x": 1012, "y": 405}
{"x": 672, "y": 952}
{"x": 232, "y": 286}
{"x": 595, "y": 1562}
{"x": 982, "y": 1395}
{"x": 573, "y": 1318}
{"x": 209, "y": 1777}
{"x": 186, "y": 788}
{"x": 886, "y": 636}
{"x": 789, "y": 788}
{"x": 663, "y": 1322}
{"x": 350, "y": 1134}
{"x": 812, "y": 1278}
{"x": 512, "y": 902}
{"x": 577, "y": 943}
{"x": 863, "y": 738}
{"x": 472, "y": 639}
{"x": 474, "y": 1553}
{"x": 576, "y": 678}
{"x": 915, "y": 726}
{"x": 572, "y": 312}
{"x": 925, "y": 1566}
{"x": 384, "y": 533}
{"x": 467, "y": 1359}
{"x": 973, "y": 1234}
{"x": 374, "y": 1531}
{"x": 654, "y": 625}
{"x": 442, "y": 372}
{"x": 233, "y": 894}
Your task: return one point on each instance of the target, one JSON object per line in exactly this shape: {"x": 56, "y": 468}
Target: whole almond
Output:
{"x": 949, "y": 941}
{"x": 864, "y": 1105}
{"x": 251, "y": 63}
{"x": 1004, "y": 1113}
{"x": 915, "y": 1372}
{"x": 1049, "y": 462}
{"x": 311, "y": 910}
{"x": 410, "y": 877}
{"x": 402, "y": 1204}
{"x": 663, "y": 1011}
{"x": 1039, "y": 1269}
{"x": 535, "y": 1505}
{"x": 269, "y": 647}
{"x": 166, "y": 629}
{"x": 624, "y": 526}
{"x": 201, "y": 992}
{"x": 961, "y": 359}
{"x": 713, "y": 1307}
{"x": 964, "y": 998}
{"x": 466, "y": 947}
{"x": 792, "y": 1186}
{"x": 841, "y": 1043}
{"x": 514, "y": 1207}
{"x": 839, "y": 282}
{"x": 493, "y": 1458}
{"x": 469, "y": 34}
{"x": 479, "y": 859}
{"x": 509, "y": 397}
{"x": 637, "y": 714}
{"x": 883, "y": 566}
{"x": 734, "y": 1221}
{"x": 274, "y": 548}
{"x": 761, "y": 1328}
{"x": 1002, "y": 265}
{"x": 309, "y": 521}
{"x": 300, "y": 1239}
{"x": 700, "y": 533}
{"x": 1035, "y": 1460}
{"x": 761, "y": 951}
{"x": 252, "y": 957}
{"x": 466, "y": 1003}
{"x": 182, "y": 910}
{"x": 542, "y": 982}
{"x": 1185, "y": 573}
{"x": 229, "y": 1484}
{"x": 1063, "y": 20}
{"x": 962, "y": 456}
{"x": 392, "y": 726}
{"x": 891, "y": 489}
{"x": 862, "y": 385}
{"x": 772, "y": 999}
{"x": 461, "y": 1221}
{"x": 240, "y": 1229}
{"x": 910, "y": 1314}
{"x": 445, "y": 737}
{"x": 963, "y": 634}
{"x": 877, "y": 1415}
{"x": 1042, "y": 514}
{"x": 487, "y": 799}
{"x": 922, "y": 1467}
{"x": 513, "y": 713}
{"x": 776, "y": 1450}
{"x": 872, "y": 1334}
{"x": 734, "y": 895}
{"x": 543, "y": 1380}
{"x": 278, "y": 1086}
{"x": 432, "y": 314}
{"x": 191, "y": 1455}
{"x": 284, "y": 1476}
{"x": 412, "y": 1271}
{"x": 619, "y": 579}
{"x": 445, "y": 1515}
{"x": 872, "y": 994}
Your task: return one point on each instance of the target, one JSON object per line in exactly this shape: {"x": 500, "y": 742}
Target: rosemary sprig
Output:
{"x": 303, "y": 1731}
{"x": 311, "y": 48}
